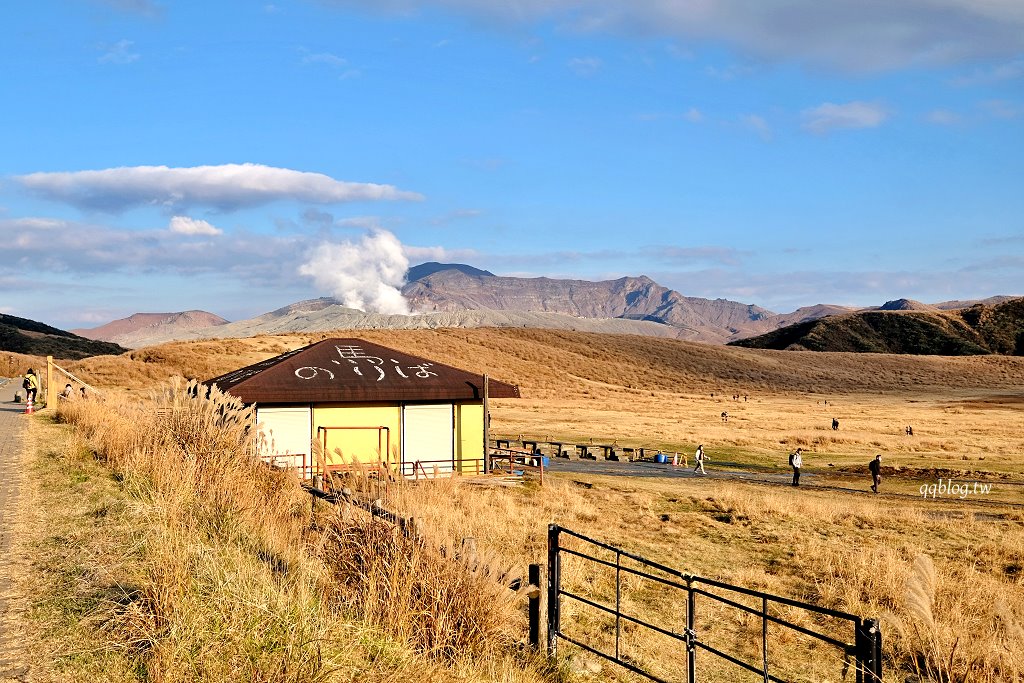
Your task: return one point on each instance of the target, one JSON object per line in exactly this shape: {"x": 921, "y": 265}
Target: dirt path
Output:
{"x": 12, "y": 664}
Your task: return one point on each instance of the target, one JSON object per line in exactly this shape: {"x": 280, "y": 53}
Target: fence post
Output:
{"x": 534, "y": 605}
{"x": 618, "y": 601}
{"x": 869, "y": 651}
{"x": 764, "y": 637}
{"x": 691, "y": 634}
{"x": 553, "y": 579}
{"x": 487, "y": 425}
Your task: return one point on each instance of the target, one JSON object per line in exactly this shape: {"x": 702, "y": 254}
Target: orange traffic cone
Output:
{"x": 29, "y": 408}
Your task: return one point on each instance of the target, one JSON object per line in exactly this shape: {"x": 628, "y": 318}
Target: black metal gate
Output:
{"x": 864, "y": 653}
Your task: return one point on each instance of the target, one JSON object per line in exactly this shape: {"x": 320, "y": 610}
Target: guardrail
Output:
{"x": 865, "y": 650}
{"x": 516, "y": 461}
{"x": 434, "y": 469}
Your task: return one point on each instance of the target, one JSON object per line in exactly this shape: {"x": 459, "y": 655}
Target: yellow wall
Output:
{"x": 361, "y": 444}
{"x": 358, "y": 444}
{"x": 469, "y": 436}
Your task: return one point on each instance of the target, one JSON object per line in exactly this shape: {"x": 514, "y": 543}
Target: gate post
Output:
{"x": 869, "y": 651}
{"x": 553, "y": 586}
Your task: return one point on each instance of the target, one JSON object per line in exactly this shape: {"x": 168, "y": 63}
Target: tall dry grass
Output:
{"x": 856, "y": 555}
{"x": 241, "y": 579}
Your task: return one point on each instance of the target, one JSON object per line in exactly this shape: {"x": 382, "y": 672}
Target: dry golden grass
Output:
{"x": 850, "y": 552}
{"x": 212, "y": 567}
{"x": 573, "y": 365}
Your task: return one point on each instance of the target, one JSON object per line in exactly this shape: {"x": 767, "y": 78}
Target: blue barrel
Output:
{"x": 661, "y": 458}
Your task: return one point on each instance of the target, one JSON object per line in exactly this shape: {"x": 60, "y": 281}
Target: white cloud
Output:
{"x": 828, "y": 117}
{"x": 456, "y": 215}
{"x": 694, "y": 115}
{"x": 943, "y": 117}
{"x": 183, "y": 225}
{"x": 119, "y": 53}
{"x": 366, "y": 275}
{"x": 729, "y": 73}
{"x": 758, "y": 125}
{"x": 420, "y": 254}
{"x": 585, "y": 66}
{"x": 225, "y": 187}
{"x": 1002, "y": 109}
{"x": 56, "y": 246}
{"x": 1007, "y": 71}
{"x": 142, "y": 7}
{"x": 851, "y": 35}
{"x": 327, "y": 58}
{"x": 357, "y": 271}
{"x": 365, "y": 222}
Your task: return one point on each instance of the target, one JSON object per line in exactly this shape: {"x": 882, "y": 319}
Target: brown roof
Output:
{"x": 353, "y": 370}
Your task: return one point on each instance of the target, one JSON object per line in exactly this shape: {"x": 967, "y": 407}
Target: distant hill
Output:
{"x": 630, "y": 298}
{"x": 800, "y": 315}
{"x": 424, "y": 269}
{"x": 979, "y": 329}
{"x": 21, "y": 335}
{"x": 991, "y": 301}
{"x": 905, "y": 305}
{"x": 140, "y": 326}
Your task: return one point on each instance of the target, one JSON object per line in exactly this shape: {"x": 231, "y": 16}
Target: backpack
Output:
{"x": 25, "y": 384}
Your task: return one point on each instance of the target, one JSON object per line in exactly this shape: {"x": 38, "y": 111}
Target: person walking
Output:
{"x": 31, "y": 385}
{"x": 796, "y": 461}
{"x": 699, "y": 459}
{"x": 875, "y": 467}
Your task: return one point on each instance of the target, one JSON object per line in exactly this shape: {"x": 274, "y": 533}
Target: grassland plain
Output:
{"x": 947, "y": 575}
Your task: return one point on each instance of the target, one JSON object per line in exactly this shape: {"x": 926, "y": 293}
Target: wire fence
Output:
{"x": 701, "y": 629}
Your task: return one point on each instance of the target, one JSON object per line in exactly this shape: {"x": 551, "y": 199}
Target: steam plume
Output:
{"x": 366, "y": 275}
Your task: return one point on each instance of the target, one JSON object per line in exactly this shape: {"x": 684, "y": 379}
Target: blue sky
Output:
{"x": 236, "y": 157}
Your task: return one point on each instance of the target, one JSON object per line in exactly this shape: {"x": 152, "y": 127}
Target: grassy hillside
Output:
{"x": 973, "y": 331}
{"x": 552, "y": 363}
{"x": 669, "y": 393}
{"x": 28, "y": 337}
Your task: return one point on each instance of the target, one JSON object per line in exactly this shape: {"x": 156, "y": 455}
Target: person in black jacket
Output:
{"x": 875, "y": 467}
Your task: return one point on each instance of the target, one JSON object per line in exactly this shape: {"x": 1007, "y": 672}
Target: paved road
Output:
{"x": 12, "y": 424}
{"x": 731, "y": 472}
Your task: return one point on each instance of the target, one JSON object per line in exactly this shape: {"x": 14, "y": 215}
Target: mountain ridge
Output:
{"x": 459, "y": 295}
{"x": 126, "y": 331}
{"x": 977, "y": 330}
{"x": 33, "y": 338}
{"x": 630, "y": 298}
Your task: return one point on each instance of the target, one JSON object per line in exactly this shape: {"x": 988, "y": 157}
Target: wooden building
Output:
{"x": 367, "y": 403}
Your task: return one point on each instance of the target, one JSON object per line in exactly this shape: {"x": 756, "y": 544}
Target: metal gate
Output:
{"x": 863, "y": 653}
